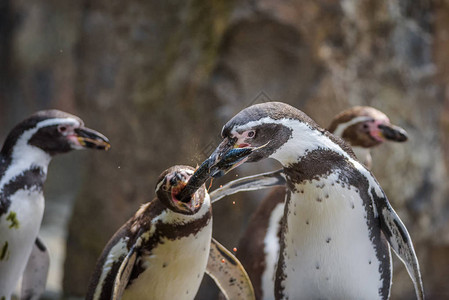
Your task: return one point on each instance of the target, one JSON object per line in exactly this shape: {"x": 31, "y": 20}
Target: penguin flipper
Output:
{"x": 36, "y": 272}
{"x": 249, "y": 183}
{"x": 228, "y": 273}
{"x": 123, "y": 274}
{"x": 399, "y": 239}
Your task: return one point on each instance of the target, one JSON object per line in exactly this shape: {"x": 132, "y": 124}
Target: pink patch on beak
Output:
{"x": 243, "y": 145}
{"x": 74, "y": 139}
{"x": 375, "y": 132}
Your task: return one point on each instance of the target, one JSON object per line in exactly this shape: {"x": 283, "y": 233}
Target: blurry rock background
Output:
{"x": 160, "y": 78}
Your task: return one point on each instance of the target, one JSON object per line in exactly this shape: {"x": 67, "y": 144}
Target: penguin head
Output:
{"x": 171, "y": 182}
{"x": 53, "y": 132}
{"x": 366, "y": 127}
{"x": 265, "y": 128}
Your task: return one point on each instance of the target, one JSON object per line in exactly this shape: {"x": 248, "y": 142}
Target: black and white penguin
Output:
{"x": 337, "y": 223}
{"x": 163, "y": 251}
{"x": 363, "y": 128}
{"x": 24, "y": 160}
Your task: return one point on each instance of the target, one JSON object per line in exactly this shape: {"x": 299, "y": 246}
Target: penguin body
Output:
{"x": 163, "y": 251}
{"x": 24, "y": 160}
{"x": 181, "y": 260}
{"x": 171, "y": 247}
{"x": 17, "y": 246}
{"x": 317, "y": 230}
{"x": 359, "y": 126}
{"x": 336, "y": 221}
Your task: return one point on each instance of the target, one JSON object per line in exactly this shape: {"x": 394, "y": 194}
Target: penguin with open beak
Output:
{"x": 163, "y": 251}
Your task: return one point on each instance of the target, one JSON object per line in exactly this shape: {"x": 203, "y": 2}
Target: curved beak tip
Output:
{"x": 403, "y": 137}
{"x": 89, "y": 138}
{"x": 226, "y": 157}
{"x": 393, "y": 133}
{"x": 106, "y": 147}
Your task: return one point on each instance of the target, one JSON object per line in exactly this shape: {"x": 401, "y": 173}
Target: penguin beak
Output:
{"x": 177, "y": 184}
{"x": 221, "y": 161}
{"x": 392, "y": 133}
{"x": 89, "y": 138}
{"x": 228, "y": 156}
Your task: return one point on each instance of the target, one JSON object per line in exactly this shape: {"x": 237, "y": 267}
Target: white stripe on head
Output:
{"x": 342, "y": 127}
{"x": 25, "y": 155}
{"x": 304, "y": 138}
{"x": 57, "y": 121}
{"x": 159, "y": 185}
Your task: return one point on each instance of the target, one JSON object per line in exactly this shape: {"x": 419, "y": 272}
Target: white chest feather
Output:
{"x": 18, "y": 231}
{"x": 271, "y": 251}
{"x": 328, "y": 252}
{"x": 174, "y": 269}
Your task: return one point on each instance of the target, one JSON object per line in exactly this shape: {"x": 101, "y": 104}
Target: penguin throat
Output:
{"x": 187, "y": 206}
{"x": 175, "y": 191}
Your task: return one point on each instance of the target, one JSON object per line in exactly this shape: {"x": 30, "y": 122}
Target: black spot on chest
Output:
{"x": 31, "y": 178}
{"x": 317, "y": 165}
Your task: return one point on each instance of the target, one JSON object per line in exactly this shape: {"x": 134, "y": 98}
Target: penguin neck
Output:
{"x": 363, "y": 154}
{"x": 23, "y": 159}
{"x": 313, "y": 155}
{"x": 305, "y": 139}
{"x": 340, "y": 129}
{"x": 172, "y": 217}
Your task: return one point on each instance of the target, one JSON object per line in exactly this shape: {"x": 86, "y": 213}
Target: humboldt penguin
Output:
{"x": 337, "y": 224}
{"x": 363, "y": 128}
{"x": 24, "y": 159}
{"x": 163, "y": 251}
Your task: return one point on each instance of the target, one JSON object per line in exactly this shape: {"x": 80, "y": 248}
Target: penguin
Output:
{"x": 163, "y": 251}
{"x": 337, "y": 224}
{"x": 24, "y": 160}
{"x": 363, "y": 128}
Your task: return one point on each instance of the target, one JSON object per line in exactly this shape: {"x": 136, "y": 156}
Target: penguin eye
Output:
{"x": 365, "y": 126}
{"x": 251, "y": 133}
{"x": 62, "y": 128}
